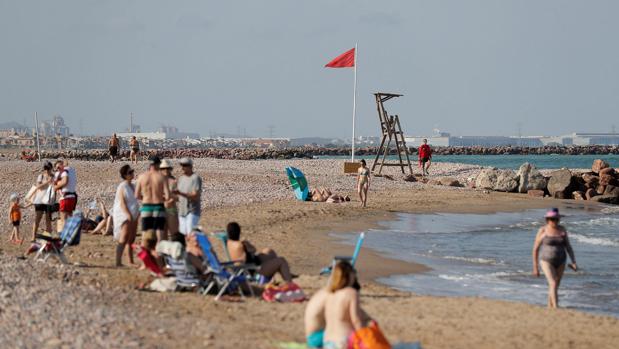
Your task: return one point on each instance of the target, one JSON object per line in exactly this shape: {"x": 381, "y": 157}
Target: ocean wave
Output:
{"x": 610, "y": 209}
{"x": 594, "y": 222}
{"x": 594, "y": 240}
{"x": 472, "y": 260}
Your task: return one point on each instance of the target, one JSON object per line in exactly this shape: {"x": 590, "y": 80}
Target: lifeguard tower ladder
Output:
{"x": 391, "y": 130}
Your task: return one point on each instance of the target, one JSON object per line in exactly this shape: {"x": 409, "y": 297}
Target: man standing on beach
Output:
{"x": 189, "y": 192}
{"x": 65, "y": 182}
{"x": 153, "y": 191}
{"x": 425, "y": 157}
{"x": 113, "y": 144}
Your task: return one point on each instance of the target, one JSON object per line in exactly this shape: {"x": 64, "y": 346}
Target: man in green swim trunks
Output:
{"x": 153, "y": 191}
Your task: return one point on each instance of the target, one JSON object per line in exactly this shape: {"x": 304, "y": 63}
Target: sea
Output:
{"x": 514, "y": 161}
{"x": 489, "y": 255}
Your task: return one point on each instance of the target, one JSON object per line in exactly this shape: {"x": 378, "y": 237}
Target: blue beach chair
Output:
{"x": 351, "y": 259}
{"x": 226, "y": 276}
{"x": 70, "y": 236}
{"x": 252, "y": 269}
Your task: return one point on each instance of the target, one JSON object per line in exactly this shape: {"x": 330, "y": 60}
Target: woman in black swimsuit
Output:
{"x": 552, "y": 238}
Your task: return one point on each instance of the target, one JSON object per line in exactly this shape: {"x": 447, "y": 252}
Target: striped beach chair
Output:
{"x": 55, "y": 246}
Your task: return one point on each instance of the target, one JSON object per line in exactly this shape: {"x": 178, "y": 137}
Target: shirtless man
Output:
{"x": 135, "y": 150}
{"x": 113, "y": 144}
{"x": 153, "y": 191}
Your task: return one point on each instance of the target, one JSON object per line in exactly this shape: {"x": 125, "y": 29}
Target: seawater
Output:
{"x": 489, "y": 255}
{"x": 514, "y": 161}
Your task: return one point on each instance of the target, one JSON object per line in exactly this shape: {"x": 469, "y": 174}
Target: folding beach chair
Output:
{"x": 351, "y": 259}
{"x": 55, "y": 246}
{"x": 185, "y": 279}
{"x": 226, "y": 276}
{"x": 252, "y": 269}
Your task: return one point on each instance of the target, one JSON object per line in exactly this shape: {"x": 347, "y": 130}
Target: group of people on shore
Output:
{"x": 114, "y": 148}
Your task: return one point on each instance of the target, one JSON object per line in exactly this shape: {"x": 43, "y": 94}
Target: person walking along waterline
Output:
{"x": 113, "y": 147}
{"x": 189, "y": 192}
{"x": 125, "y": 212}
{"x": 363, "y": 183}
{"x": 425, "y": 157}
{"x": 135, "y": 150}
{"x": 553, "y": 240}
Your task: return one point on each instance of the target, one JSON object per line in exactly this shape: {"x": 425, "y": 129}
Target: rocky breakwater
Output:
{"x": 601, "y": 184}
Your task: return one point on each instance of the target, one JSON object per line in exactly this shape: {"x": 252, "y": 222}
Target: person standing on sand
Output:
{"x": 44, "y": 180}
{"x": 126, "y": 212}
{"x": 553, "y": 240}
{"x": 15, "y": 218}
{"x": 425, "y": 157}
{"x": 170, "y": 205}
{"x": 153, "y": 191}
{"x": 189, "y": 192}
{"x": 135, "y": 149}
{"x": 363, "y": 183}
{"x": 113, "y": 144}
{"x": 65, "y": 181}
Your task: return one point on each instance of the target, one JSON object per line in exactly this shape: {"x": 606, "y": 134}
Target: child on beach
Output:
{"x": 15, "y": 218}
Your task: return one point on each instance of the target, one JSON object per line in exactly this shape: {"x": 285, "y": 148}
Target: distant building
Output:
{"x": 54, "y": 127}
{"x": 445, "y": 139}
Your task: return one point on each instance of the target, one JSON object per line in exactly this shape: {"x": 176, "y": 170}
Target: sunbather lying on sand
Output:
{"x": 243, "y": 251}
{"x": 325, "y": 195}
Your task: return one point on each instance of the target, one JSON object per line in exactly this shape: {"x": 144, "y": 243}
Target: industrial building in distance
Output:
{"x": 444, "y": 139}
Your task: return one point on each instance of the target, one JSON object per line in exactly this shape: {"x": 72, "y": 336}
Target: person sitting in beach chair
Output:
{"x": 228, "y": 277}
{"x": 48, "y": 245}
{"x": 244, "y": 252}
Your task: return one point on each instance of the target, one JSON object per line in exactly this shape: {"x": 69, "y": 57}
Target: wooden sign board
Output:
{"x": 351, "y": 167}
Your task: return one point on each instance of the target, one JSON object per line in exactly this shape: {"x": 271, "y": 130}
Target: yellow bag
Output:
{"x": 370, "y": 337}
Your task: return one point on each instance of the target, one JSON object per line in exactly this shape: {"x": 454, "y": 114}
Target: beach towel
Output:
{"x": 289, "y": 293}
{"x": 370, "y": 337}
{"x": 164, "y": 284}
{"x": 171, "y": 248}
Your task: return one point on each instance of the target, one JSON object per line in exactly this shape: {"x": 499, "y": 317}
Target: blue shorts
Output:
{"x": 314, "y": 340}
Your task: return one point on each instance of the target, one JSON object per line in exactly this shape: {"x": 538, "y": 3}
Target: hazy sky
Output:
{"x": 469, "y": 67}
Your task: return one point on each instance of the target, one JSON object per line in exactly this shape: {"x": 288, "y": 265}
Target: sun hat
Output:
{"x": 165, "y": 164}
{"x": 186, "y": 162}
{"x": 553, "y": 213}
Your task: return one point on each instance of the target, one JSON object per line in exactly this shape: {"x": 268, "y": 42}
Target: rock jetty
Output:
{"x": 306, "y": 152}
{"x": 601, "y": 184}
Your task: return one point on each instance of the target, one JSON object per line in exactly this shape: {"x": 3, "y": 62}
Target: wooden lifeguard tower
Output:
{"x": 391, "y": 130}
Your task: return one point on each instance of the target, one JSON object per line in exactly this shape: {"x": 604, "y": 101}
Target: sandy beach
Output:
{"x": 91, "y": 304}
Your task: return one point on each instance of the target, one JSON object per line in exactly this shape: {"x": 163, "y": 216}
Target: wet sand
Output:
{"x": 299, "y": 231}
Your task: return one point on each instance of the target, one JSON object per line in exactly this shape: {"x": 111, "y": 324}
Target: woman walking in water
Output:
{"x": 363, "y": 183}
{"x": 553, "y": 240}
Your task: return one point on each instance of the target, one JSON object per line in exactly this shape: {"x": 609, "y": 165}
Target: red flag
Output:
{"x": 345, "y": 60}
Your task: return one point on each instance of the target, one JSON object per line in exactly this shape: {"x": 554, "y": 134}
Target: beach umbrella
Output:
{"x": 298, "y": 183}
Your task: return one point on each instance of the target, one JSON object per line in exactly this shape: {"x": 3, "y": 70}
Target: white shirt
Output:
{"x": 71, "y": 186}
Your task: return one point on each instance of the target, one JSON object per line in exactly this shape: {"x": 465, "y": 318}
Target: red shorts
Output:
{"x": 68, "y": 204}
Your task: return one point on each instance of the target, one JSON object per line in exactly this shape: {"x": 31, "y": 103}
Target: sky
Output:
{"x": 475, "y": 67}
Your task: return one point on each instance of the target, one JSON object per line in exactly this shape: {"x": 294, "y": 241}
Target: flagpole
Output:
{"x": 354, "y": 107}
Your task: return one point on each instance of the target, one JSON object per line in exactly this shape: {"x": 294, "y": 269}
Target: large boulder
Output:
{"x": 591, "y": 180}
{"x": 486, "y": 179}
{"x": 606, "y": 199}
{"x": 529, "y": 178}
{"x": 560, "y": 184}
{"x": 450, "y": 182}
{"x": 506, "y": 181}
{"x": 598, "y": 165}
{"x": 611, "y": 190}
{"x": 590, "y": 193}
